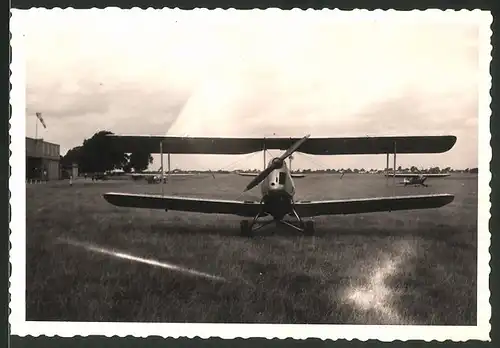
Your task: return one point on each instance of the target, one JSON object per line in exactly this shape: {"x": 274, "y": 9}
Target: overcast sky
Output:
{"x": 252, "y": 74}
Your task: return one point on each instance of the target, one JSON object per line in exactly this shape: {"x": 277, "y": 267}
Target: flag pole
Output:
{"x": 36, "y": 127}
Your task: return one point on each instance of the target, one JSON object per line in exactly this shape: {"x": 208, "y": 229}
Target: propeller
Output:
{"x": 276, "y": 163}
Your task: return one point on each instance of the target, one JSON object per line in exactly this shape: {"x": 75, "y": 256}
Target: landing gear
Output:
{"x": 247, "y": 228}
{"x": 309, "y": 228}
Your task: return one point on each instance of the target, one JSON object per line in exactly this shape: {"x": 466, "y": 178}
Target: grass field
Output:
{"x": 90, "y": 261}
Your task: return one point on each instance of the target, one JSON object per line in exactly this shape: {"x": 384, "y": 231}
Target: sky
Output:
{"x": 252, "y": 73}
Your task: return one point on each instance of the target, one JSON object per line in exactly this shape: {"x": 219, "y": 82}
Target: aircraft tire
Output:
{"x": 309, "y": 228}
{"x": 245, "y": 229}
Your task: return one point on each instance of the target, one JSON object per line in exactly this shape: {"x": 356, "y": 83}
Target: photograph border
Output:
{"x": 349, "y": 332}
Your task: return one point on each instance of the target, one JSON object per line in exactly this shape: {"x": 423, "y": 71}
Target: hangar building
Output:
{"x": 42, "y": 160}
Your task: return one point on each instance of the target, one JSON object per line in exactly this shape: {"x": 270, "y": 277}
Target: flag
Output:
{"x": 39, "y": 115}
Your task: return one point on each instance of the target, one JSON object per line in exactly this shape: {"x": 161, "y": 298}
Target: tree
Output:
{"x": 72, "y": 156}
{"x": 97, "y": 154}
{"x": 434, "y": 170}
{"x": 139, "y": 161}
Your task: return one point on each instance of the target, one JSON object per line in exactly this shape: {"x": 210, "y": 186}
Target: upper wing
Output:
{"x": 436, "y": 175}
{"x": 199, "y": 205}
{"x": 410, "y": 175}
{"x": 141, "y": 175}
{"x": 313, "y": 146}
{"x": 370, "y": 205}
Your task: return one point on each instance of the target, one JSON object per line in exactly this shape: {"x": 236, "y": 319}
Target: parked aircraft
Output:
{"x": 276, "y": 183}
{"x": 155, "y": 177}
{"x": 416, "y": 179}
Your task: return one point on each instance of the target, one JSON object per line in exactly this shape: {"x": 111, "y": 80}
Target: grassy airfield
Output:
{"x": 87, "y": 260}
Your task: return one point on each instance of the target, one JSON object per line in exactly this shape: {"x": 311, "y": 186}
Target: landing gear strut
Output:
{"x": 247, "y": 228}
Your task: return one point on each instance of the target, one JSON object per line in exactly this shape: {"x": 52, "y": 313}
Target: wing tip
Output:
{"x": 112, "y": 198}
{"x": 452, "y": 140}
{"x": 108, "y": 196}
{"x": 448, "y": 198}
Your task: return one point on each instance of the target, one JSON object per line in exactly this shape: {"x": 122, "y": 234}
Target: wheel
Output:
{"x": 245, "y": 229}
{"x": 309, "y": 228}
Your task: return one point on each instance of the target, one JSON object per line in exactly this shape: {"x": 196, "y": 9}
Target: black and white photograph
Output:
{"x": 318, "y": 174}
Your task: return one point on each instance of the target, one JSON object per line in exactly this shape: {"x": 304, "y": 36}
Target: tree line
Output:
{"x": 99, "y": 155}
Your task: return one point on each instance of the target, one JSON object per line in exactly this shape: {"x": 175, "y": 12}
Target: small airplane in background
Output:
{"x": 416, "y": 179}
{"x": 155, "y": 177}
{"x": 277, "y": 188}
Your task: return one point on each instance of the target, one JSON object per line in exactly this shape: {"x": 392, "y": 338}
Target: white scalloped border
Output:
{"x": 20, "y": 327}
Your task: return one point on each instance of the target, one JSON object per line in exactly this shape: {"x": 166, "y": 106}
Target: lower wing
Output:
{"x": 303, "y": 208}
{"x": 198, "y": 205}
{"x": 371, "y": 205}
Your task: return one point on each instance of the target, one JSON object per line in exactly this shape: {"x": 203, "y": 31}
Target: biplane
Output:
{"x": 155, "y": 177}
{"x": 416, "y": 179}
{"x": 277, "y": 188}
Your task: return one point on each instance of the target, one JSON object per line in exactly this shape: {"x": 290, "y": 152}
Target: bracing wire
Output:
{"x": 238, "y": 161}
{"x": 318, "y": 163}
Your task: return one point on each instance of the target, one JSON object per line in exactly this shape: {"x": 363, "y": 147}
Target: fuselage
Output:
{"x": 278, "y": 190}
{"x": 418, "y": 180}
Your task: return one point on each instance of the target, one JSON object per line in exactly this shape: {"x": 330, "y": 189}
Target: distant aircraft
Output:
{"x": 155, "y": 177}
{"x": 99, "y": 176}
{"x": 277, "y": 187}
{"x": 416, "y": 179}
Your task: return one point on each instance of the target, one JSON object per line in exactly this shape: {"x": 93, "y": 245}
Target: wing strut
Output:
{"x": 168, "y": 173}
{"x": 162, "y": 171}
{"x": 264, "y": 151}
{"x": 394, "y": 171}
{"x": 387, "y": 170}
